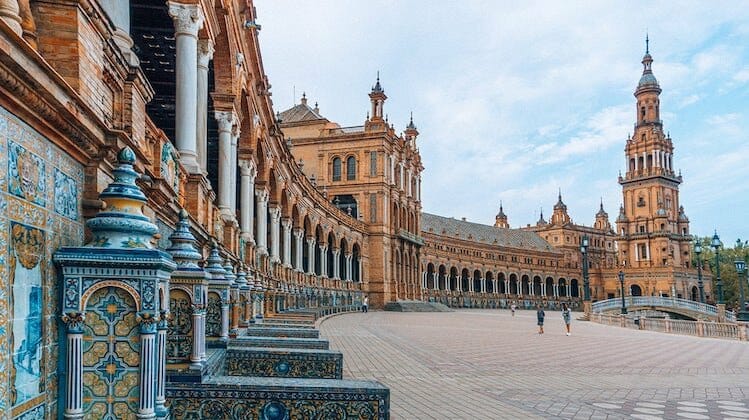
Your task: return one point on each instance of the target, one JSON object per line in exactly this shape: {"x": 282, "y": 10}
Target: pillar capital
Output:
{"x": 286, "y": 223}
{"x": 247, "y": 168}
{"x": 225, "y": 120}
{"x": 261, "y": 194}
{"x": 275, "y": 213}
{"x": 205, "y": 52}
{"x": 188, "y": 18}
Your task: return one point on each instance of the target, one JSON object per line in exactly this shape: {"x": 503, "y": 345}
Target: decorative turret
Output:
{"x": 541, "y": 221}
{"x": 560, "y": 216}
{"x": 122, "y": 225}
{"x": 214, "y": 266}
{"x": 500, "y": 220}
{"x": 229, "y": 270}
{"x": 377, "y": 98}
{"x": 602, "y": 219}
{"x": 411, "y": 131}
{"x": 183, "y": 249}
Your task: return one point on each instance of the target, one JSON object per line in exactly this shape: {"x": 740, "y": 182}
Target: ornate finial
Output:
{"x": 229, "y": 269}
{"x": 122, "y": 223}
{"x": 647, "y": 43}
{"x": 183, "y": 249}
{"x": 242, "y": 278}
{"x": 214, "y": 264}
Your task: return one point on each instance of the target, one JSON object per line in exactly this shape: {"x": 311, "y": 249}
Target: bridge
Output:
{"x": 686, "y": 308}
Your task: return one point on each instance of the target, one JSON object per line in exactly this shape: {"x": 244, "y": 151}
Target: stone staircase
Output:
{"x": 279, "y": 369}
{"x": 416, "y": 306}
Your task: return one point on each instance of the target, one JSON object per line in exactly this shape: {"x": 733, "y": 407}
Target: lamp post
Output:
{"x": 698, "y": 251}
{"x": 621, "y": 281}
{"x": 743, "y": 315}
{"x": 586, "y": 281}
{"x": 715, "y": 243}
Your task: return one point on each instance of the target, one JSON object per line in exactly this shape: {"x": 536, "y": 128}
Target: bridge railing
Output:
{"x": 663, "y": 302}
{"x": 726, "y": 330}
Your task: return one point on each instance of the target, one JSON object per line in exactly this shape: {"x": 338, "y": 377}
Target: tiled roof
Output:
{"x": 301, "y": 112}
{"x": 512, "y": 238}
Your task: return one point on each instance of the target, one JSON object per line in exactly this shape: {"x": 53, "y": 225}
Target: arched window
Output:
{"x": 351, "y": 168}
{"x": 336, "y": 169}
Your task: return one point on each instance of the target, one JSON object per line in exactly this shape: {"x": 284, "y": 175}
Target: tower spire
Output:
{"x": 647, "y": 43}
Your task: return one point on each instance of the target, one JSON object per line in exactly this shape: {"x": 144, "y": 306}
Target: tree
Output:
{"x": 738, "y": 251}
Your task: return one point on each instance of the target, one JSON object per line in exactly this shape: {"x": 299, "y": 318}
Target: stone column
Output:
{"x": 147, "y": 369}
{"x": 483, "y": 285}
{"x": 336, "y": 263}
{"x": 298, "y": 243}
{"x": 324, "y": 260}
{"x": 507, "y": 286}
{"x": 233, "y": 169}
{"x": 9, "y": 13}
{"x": 261, "y": 238}
{"x": 543, "y": 289}
{"x": 225, "y": 122}
{"x": 201, "y": 337}
{"x": 162, "y": 327}
{"x": 74, "y": 363}
{"x": 205, "y": 55}
{"x": 225, "y": 316}
{"x": 348, "y": 258}
{"x": 188, "y": 19}
{"x": 286, "y": 225}
{"x": 275, "y": 236}
{"x": 569, "y": 290}
{"x": 247, "y": 195}
{"x": 195, "y": 355}
{"x": 311, "y": 257}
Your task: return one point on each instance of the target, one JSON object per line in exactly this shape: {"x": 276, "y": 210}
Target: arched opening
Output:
{"x": 477, "y": 281}
{"x": 336, "y": 169}
{"x": 318, "y": 250}
{"x": 329, "y": 269}
{"x": 355, "y": 266}
{"x": 574, "y": 288}
{"x": 525, "y": 281}
{"x": 537, "y": 285}
{"x": 695, "y": 294}
{"x": 563, "y": 287}
{"x": 342, "y": 258}
{"x": 549, "y": 286}
{"x": 441, "y": 279}
{"x": 430, "y": 276}
{"x": 489, "y": 276}
{"x": 513, "y": 284}
{"x": 351, "y": 168}
{"x": 347, "y": 203}
{"x": 501, "y": 287}
{"x": 464, "y": 280}
{"x": 635, "y": 290}
{"x": 306, "y": 257}
{"x": 453, "y": 278}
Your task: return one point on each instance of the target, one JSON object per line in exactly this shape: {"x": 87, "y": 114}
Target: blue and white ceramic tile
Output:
{"x": 66, "y": 195}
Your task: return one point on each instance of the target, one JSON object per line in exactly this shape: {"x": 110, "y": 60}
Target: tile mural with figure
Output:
{"x": 40, "y": 199}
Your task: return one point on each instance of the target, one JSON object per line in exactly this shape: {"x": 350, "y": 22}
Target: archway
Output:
{"x": 477, "y": 281}
{"x": 525, "y": 282}
{"x": 453, "y": 278}
{"x": 442, "y": 280}
{"x": 574, "y": 288}
{"x": 695, "y": 294}
{"x": 635, "y": 290}
{"x": 562, "y": 287}
{"x": 549, "y": 286}
{"x": 464, "y": 280}
{"x": 513, "y": 284}
{"x": 501, "y": 283}
{"x": 537, "y": 285}
{"x": 489, "y": 278}
{"x": 430, "y": 277}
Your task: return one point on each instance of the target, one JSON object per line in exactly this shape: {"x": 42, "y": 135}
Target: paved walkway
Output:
{"x": 483, "y": 364}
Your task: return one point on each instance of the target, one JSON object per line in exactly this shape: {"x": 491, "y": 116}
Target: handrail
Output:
{"x": 665, "y": 302}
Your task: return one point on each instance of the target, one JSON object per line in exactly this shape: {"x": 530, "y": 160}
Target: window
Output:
{"x": 643, "y": 252}
{"x": 336, "y": 169}
{"x": 351, "y": 168}
{"x": 373, "y": 207}
{"x": 372, "y": 163}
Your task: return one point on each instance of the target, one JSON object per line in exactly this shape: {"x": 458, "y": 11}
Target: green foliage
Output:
{"x": 738, "y": 250}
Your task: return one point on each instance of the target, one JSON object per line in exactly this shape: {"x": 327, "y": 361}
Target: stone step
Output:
{"x": 283, "y": 362}
{"x": 282, "y": 332}
{"x": 276, "y": 342}
{"x": 416, "y": 306}
{"x": 241, "y": 397}
{"x": 282, "y": 324}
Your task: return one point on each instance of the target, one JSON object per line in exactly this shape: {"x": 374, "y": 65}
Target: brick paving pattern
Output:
{"x": 488, "y": 365}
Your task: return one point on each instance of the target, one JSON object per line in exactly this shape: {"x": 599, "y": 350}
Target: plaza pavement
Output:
{"x": 485, "y": 364}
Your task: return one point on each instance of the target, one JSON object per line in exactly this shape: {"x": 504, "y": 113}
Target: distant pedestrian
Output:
{"x": 567, "y": 316}
{"x": 540, "y": 314}
{"x": 365, "y": 304}
{"x": 512, "y": 308}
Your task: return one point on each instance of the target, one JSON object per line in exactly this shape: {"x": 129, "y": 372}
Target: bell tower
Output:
{"x": 653, "y": 229}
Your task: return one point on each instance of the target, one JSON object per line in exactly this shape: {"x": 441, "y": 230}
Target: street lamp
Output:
{"x": 586, "y": 281}
{"x": 698, "y": 251}
{"x": 715, "y": 243}
{"x": 743, "y": 315}
{"x": 621, "y": 281}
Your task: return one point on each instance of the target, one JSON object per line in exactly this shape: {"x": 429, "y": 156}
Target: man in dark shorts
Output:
{"x": 540, "y": 314}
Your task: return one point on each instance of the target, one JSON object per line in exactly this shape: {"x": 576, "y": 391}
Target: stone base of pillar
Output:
{"x": 587, "y": 307}
{"x": 189, "y": 160}
{"x": 721, "y": 307}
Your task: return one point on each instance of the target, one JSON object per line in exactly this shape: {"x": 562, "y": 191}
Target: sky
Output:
{"x": 517, "y": 100}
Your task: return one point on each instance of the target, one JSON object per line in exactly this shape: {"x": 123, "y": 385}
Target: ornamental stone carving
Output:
{"x": 188, "y": 18}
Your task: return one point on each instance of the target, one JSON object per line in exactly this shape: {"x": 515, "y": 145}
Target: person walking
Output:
{"x": 365, "y": 304}
{"x": 512, "y": 308}
{"x": 567, "y": 316}
{"x": 540, "y": 314}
